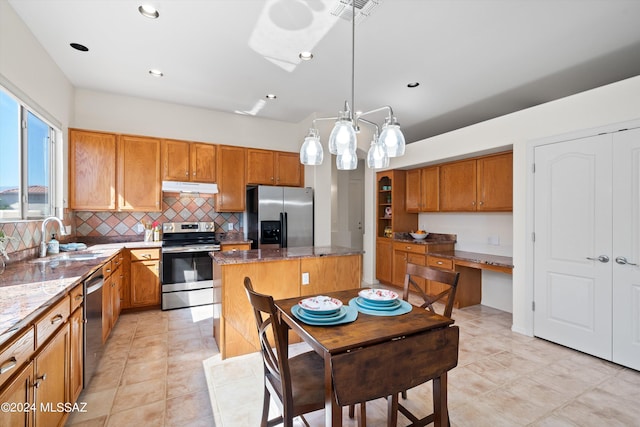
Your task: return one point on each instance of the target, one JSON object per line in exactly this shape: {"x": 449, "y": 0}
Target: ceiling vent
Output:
{"x": 343, "y": 9}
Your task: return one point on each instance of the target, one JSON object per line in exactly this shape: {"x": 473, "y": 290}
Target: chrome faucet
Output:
{"x": 43, "y": 242}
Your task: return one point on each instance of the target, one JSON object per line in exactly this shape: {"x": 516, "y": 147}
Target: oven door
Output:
{"x": 187, "y": 279}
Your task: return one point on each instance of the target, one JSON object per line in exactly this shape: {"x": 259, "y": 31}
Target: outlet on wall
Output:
{"x": 139, "y": 228}
{"x": 230, "y": 226}
{"x": 305, "y": 278}
{"x": 494, "y": 240}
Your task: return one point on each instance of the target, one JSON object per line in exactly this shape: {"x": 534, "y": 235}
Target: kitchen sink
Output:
{"x": 68, "y": 257}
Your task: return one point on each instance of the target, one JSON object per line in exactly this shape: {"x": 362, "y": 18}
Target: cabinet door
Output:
{"x": 107, "y": 308}
{"x": 203, "y": 162}
{"x": 328, "y": 274}
{"x": 145, "y": 283}
{"x": 18, "y": 391}
{"x": 399, "y": 267}
{"x": 139, "y": 187}
{"x": 429, "y": 189}
{"x": 384, "y": 260}
{"x": 495, "y": 183}
{"x": 289, "y": 170}
{"x": 412, "y": 191}
{"x": 92, "y": 170}
{"x": 260, "y": 164}
{"x": 116, "y": 287}
{"x": 51, "y": 379}
{"x": 458, "y": 186}
{"x": 231, "y": 179}
{"x": 175, "y": 160}
{"x": 419, "y": 260}
{"x": 76, "y": 355}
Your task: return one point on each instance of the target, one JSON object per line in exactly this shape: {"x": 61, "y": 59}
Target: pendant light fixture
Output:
{"x": 343, "y": 139}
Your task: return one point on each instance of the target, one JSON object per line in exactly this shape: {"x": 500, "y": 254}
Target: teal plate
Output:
{"x": 362, "y": 302}
{"x": 305, "y": 315}
{"x": 350, "y": 316}
{"x": 404, "y": 308}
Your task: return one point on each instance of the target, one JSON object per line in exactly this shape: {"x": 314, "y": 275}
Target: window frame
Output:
{"x": 54, "y": 138}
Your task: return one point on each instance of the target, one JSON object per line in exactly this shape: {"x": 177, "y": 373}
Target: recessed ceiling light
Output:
{"x": 78, "y": 46}
{"x": 305, "y": 56}
{"x": 156, "y": 73}
{"x": 148, "y": 11}
{"x": 271, "y": 96}
{"x": 414, "y": 84}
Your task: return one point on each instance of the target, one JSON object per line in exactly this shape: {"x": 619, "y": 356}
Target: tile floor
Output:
{"x": 163, "y": 369}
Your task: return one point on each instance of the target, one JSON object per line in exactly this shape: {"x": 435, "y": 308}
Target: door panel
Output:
{"x": 572, "y": 220}
{"x": 626, "y": 237}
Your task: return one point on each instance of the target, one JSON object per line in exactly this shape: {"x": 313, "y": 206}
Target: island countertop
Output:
{"x": 262, "y": 255}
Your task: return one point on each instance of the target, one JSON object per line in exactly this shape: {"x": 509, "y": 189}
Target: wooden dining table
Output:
{"x": 379, "y": 356}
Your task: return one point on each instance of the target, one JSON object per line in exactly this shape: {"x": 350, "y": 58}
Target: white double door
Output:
{"x": 587, "y": 245}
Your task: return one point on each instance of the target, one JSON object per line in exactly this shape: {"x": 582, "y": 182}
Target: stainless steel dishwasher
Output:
{"x": 93, "y": 347}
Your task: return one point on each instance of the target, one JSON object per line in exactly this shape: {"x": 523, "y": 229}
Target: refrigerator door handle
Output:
{"x": 283, "y": 229}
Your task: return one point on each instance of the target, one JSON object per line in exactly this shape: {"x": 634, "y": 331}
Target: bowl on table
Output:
{"x": 419, "y": 236}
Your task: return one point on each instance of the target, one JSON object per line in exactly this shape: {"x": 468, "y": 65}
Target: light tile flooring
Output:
{"x": 163, "y": 369}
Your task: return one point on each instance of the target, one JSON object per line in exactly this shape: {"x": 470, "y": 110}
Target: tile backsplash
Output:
{"x": 97, "y": 227}
{"x": 174, "y": 209}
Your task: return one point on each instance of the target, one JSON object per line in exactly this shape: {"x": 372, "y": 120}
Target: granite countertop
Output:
{"x": 27, "y": 288}
{"x": 431, "y": 239}
{"x": 262, "y": 255}
{"x": 477, "y": 258}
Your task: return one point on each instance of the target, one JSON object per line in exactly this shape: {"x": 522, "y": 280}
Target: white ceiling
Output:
{"x": 474, "y": 59}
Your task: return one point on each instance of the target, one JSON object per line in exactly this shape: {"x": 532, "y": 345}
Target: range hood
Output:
{"x": 189, "y": 187}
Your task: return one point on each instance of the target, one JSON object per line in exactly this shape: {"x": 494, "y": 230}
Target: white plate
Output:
{"x": 320, "y": 304}
{"x": 378, "y": 296}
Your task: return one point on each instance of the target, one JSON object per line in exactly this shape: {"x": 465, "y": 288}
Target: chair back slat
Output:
{"x": 449, "y": 278}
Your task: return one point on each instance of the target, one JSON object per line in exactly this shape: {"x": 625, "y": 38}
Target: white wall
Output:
{"x": 617, "y": 102}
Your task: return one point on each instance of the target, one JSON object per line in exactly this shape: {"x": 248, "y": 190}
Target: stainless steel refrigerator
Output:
{"x": 279, "y": 217}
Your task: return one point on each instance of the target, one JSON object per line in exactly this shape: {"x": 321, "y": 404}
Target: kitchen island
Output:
{"x": 282, "y": 273}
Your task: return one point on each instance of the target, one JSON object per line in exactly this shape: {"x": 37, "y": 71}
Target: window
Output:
{"x": 26, "y": 161}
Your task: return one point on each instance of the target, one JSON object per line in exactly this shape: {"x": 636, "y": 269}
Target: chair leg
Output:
{"x": 362, "y": 421}
{"x": 352, "y": 410}
{"x": 392, "y": 410}
{"x": 265, "y": 408}
{"x": 404, "y": 394}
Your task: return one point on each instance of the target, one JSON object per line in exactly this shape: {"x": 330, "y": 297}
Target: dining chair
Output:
{"x": 447, "y": 297}
{"x": 296, "y": 383}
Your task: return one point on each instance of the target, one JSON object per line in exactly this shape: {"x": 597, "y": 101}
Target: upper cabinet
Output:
{"x": 231, "y": 165}
{"x": 423, "y": 190}
{"x": 139, "y": 183}
{"x": 268, "y": 167}
{"x": 478, "y": 184}
{"x": 188, "y": 161}
{"x": 92, "y": 170}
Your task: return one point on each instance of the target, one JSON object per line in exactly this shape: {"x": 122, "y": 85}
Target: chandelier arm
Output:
{"x": 384, "y": 107}
{"x": 370, "y": 124}
{"x": 322, "y": 118}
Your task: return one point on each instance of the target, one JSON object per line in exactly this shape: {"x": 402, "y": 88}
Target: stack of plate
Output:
{"x": 320, "y": 310}
{"x": 378, "y": 299}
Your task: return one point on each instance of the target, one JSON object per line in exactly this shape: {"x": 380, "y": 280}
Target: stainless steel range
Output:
{"x": 186, "y": 267}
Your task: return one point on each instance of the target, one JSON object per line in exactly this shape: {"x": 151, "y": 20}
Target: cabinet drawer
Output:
{"x": 107, "y": 268}
{"x": 235, "y": 247}
{"x": 144, "y": 254}
{"x": 53, "y": 318}
{"x": 17, "y": 353}
{"x": 116, "y": 261}
{"x": 409, "y": 247}
{"x": 442, "y": 263}
{"x": 77, "y": 296}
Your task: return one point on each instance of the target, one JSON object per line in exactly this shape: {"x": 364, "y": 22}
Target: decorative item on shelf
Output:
{"x": 156, "y": 231}
{"x": 388, "y": 232}
{"x": 387, "y": 212}
{"x": 4, "y": 240}
{"x": 343, "y": 141}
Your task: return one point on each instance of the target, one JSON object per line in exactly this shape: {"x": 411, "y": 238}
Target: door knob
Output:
{"x": 601, "y": 258}
{"x": 622, "y": 261}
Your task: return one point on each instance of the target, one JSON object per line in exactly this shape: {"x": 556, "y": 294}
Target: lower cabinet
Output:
{"x": 235, "y": 247}
{"x": 18, "y": 393}
{"x": 50, "y": 382}
{"x": 144, "y": 277}
{"x": 76, "y": 353}
{"x": 384, "y": 259}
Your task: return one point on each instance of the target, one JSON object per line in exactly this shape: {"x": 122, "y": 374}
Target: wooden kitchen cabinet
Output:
{"x": 403, "y": 253}
{"x": 231, "y": 166}
{"x": 268, "y": 167}
{"x": 481, "y": 184}
{"x": 145, "y": 277}
{"x": 423, "y": 190}
{"x": 92, "y": 170}
{"x": 139, "y": 178}
{"x": 18, "y": 392}
{"x": 188, "y": 161}
{"x": 469, "y": 290}
{"x": 235, "y": 247}
{"x": 76, "y": 342}
{"x": 384, "y": 259}
{"x": 328, "y": 274}
{"x": 390, "y": 210}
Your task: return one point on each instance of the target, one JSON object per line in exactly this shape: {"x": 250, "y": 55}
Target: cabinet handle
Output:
{"x": 56, "y": 319}
{"x": 108, "y": 270}
{"x": 79, "y": 297}
{"x": 407, "y": 247}
{"x": 473, "y": 203}
{"x": 194, "y": 174}
{"x": 8, "y": 365}
{"x": 481, "y": 203}
{"x": 147, "y": 256}
{"x": 439, "y": 263}
{"x": 39, "y": 379}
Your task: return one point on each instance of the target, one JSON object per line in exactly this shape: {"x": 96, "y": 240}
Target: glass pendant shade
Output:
{"x": 343, "y": 136}
{"x": 347, "y": 160}
{"x": 311, "y": 153}
{"x": 377, "y": 157}
{"x": 392, "y": 138}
